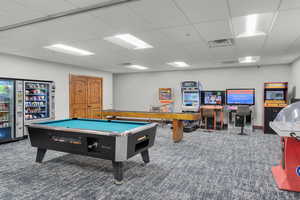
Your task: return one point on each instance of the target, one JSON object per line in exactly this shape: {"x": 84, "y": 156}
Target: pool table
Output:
{"x": 107, "y": 139}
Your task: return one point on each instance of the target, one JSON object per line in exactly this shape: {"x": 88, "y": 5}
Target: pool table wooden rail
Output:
{"x": 177, "y": 118}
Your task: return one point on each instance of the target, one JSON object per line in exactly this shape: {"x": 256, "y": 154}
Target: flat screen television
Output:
{"x": 212, "y": 97}
{"x": 240, "y": 96}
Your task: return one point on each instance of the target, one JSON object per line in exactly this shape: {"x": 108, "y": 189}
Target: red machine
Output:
{"x": 287, "y": 125}
{"x": 287, "y": 175}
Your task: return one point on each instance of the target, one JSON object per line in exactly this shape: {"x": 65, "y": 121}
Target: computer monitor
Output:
{"x": 240, "y": 96}
{"x": 212, "y": 97}
{"x": 275, "y": 95}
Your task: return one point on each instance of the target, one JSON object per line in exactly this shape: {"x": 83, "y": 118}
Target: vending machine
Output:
{"x": 23, "y": 102}
{"x": 6, "y": 110}
{"x": 39, "y": 97}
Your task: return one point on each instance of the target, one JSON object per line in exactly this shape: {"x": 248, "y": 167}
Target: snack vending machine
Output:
{"x": 39, "y": 100}
{"x": 6, "y": 110}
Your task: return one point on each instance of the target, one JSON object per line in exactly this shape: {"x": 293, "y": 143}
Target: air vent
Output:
{"x": 220, "y": 43}
{"x": 228, "y": 62}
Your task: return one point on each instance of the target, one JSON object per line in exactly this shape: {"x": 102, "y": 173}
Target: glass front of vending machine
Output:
{"x": 6, "y": 110}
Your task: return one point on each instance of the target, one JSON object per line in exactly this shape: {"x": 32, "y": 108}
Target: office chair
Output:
{"x": 242, "y": 112}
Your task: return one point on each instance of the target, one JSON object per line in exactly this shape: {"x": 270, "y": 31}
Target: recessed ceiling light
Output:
{"x": 139, "y": 67}
{"x": 62, "y": 48}
{"x": 128, "y": 41}
{"x": 178, "y": 64}
{"x": 252, "y": 25}
{"x": 249, "y": 59}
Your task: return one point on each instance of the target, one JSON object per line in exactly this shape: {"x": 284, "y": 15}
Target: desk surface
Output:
{"x": 145, "y": 114}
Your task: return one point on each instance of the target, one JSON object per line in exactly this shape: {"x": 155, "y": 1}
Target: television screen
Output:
{"x": 240, "y": 96}
{"x": 275, "y": 95}
{"x": 191, "y": 97}
{"x": 213, "y": 97}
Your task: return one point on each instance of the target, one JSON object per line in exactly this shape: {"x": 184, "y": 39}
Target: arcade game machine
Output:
{"x": 275, "y": 99}
{"x": 212, "y": 109}
{"x": 166, "y": 100}
{"x": 287, "y": 125}
{"x": 190, "y": 92}
{"x": 236, "y": 98}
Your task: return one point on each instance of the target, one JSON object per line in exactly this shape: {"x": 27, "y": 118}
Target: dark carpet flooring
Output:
{"x": 216, "y": 165}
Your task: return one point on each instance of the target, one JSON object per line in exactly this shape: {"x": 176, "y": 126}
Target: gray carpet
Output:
{"x": 217, "y": 165}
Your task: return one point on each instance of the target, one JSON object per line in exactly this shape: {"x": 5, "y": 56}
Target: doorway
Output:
{"x": 86, "y": 96}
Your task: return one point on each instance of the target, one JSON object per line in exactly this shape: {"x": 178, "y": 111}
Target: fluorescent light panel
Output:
{"x": 128, "y": 41}
{"x": 139, "y": 67}
{"x": 249, "y": 59}
{"x": 62, "y": 48}
{"x": 178, "y": 64}
{"x": 251, "y": 27}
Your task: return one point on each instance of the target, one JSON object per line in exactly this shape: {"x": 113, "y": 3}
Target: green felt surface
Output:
{"x": 96, "y": 125}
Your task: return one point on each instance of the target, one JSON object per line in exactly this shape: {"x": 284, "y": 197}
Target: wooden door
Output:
{"x": 85, "y": 96}
{"x": 94, "y": 97}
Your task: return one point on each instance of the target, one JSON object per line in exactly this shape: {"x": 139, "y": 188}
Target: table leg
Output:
{"x": 40, "y": 155}
{"x": 118, "y": 172}
{"x": 215, "y": 119}
{"x": 145, "y": 156}
{"x": 177, "y": 130}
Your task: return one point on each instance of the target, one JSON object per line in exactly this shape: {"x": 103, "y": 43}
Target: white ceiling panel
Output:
{"x": 215, "y": 30}
{"x": 159, "y": 12}
{"x": 13, "y": 12}
{"x": 289, "y": 4}
{"x": 121, "y": 19}
{"x": 204, "y": 10}
{"x": 223, "y": 53}
{"x": 246, "y": 7}
{"x": 283, "y": 33}
{"x": 182, "y": 35}
{"x": 84, "y": 3}
{"x": 251, "y": 46}
{"x": 73, "y": 28}
{"x": 46, "y": 6}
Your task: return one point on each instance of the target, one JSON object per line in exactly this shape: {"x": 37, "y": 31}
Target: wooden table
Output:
{"x": 216, "y": 109}
{"x": 177, "y": 118}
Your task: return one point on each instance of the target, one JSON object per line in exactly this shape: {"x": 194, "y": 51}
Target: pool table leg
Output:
{"x": 145, "y": 156}
{"x": 40, "y": 155}
{"x": 118, "y": 172}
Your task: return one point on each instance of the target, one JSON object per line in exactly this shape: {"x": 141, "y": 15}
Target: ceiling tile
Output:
{"x": 84, "y": 3}
{"x": 181, "y": 35}
{"x": 73, "y": 28}
{"x": 283, "y": 33}
{"x": 214, "y": 30}
{"x": 289, "y": 4}
{"x": 251, "y": 46}
{"x": 161, "y": 13}
{"x": 121, "y": 19}
{"x": 246, "y": 7}
{"x": 46, "y": 6}
{"x": 204, "y": 10}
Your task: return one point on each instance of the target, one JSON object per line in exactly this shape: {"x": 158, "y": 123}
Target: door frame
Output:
{"x": 70, "y": 88}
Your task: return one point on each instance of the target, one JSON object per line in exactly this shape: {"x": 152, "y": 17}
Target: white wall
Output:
{"x": 19, "y": 67}
{"x": 137, "y": 91}
{"x": 295, "y": 76}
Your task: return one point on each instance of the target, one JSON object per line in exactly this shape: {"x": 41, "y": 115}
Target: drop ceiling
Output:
{"x": 179, "y": 30}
